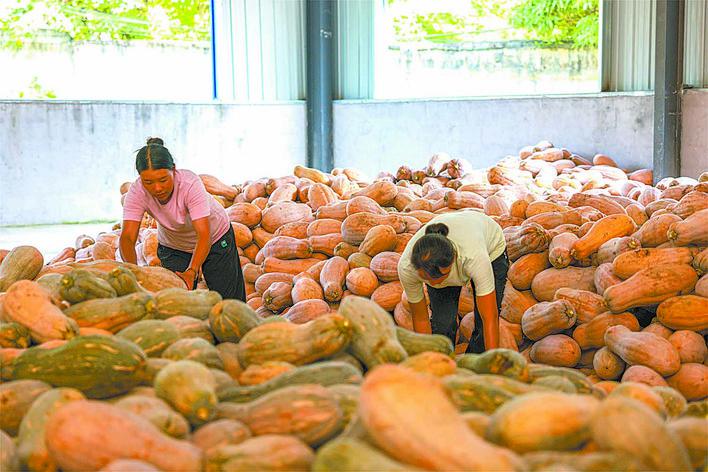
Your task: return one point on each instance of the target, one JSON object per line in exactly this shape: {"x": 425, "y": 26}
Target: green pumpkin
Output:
{"x": 123, "y": 281}
{"x": 469, "y": 393}
{"x": 674, "y": 401}
{"x": 348, "y": 454}
{"x": 190, "y": 388}
{"x": 80, "y": 285}
{"x": 113, "y": 314}
{"x": 230, "y": 320}
{"x": 194, "y": 349}
{"x": 496, "y": 361}
{"x": 14, "y": 335}
{"x": 321, "y": 373}
{"x": 308, "y": 412}
{"x": 189, "y": 327}
{"x": 581, "y": 382}
{"x": 374, "y": 340}
{"x": 181, "y": 302}
{"x": 153, "y": 336}
{"x": 98, "y": 366}
{"x": 415, "y": 343}
{"x": 556, "y": 382}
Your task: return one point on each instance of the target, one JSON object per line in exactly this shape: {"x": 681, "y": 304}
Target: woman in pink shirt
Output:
{"x": 193, "y": 230}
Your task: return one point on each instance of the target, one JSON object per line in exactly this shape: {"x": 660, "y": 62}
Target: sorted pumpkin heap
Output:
{"x": 114, "y": 366}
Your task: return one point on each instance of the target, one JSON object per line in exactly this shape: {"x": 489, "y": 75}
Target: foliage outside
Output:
{"x": 550, "y": 22}
{"x": 23, "y": 21}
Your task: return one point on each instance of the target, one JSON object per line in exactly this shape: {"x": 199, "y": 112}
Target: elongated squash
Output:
{"x": 548, "y": 318}
{"x": 587, "y": 305}
{"x": 297, "y": 344}
{"x": 643, "y": 349}
{"x": 190, "y": 388}
{"x": 626, "y": 425}
{"x": 230, "y": 320}
{"x": 16, "y": 398}
{"x": 269, "y": 452}
{"x": 180, "y": 302}
{"x": 153, "y": 336}
{"x": 157, "y": 412}
{"x": 80, "y": 285}
{"x": 308, "y": 412}
{"x": 350, "y": 454}
{"x": 88, "y": 435}
{"x": 374, "y": 338}
{"x": 30, "y": 305}
{"x": 546, "y": 283}
{"x": 21, "y": 263}
{"x": 323, "y": 373}
{"x": 611, "y": 226}
{"x": 543, "y": 421}
{"x": 113, "y": 314}
{"x": 99, "y": 366}
{"x": 651, "y": 286}
{"x": 31, "y": 447}
{"x": 592, "y": 334}
{"x": 629, "y": 263}
{"x": 194, "y": 349}
{"x": 684, "y": 312}
{"x": 409, "y": 416}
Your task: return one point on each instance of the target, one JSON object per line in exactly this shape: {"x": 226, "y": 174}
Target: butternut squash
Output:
{"x": 651, "y": 286}
{"x": 684, "y": 312}
{"x": 592, "y": 334}
{"x": 654, "y": 232}
{"x": 692, "y": 230}
{"x": 642, "y": 348}
{"x": 395, "y": 407}
{"x": 629, "y": 263}
{"x": 609, "y": 227}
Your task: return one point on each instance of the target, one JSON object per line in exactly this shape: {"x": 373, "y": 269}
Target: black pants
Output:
{"x": 221, "y": 269}
{"x": 444, "y": 305}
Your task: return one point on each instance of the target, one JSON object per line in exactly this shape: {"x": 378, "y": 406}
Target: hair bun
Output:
{"x": 437, "y": 228}
{"x": 155, "y": 141}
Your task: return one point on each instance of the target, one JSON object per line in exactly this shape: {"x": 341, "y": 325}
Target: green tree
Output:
{"x": 559, "y": 21}
{"x": 574, "y": 22}
{"x": 23, "y": 21}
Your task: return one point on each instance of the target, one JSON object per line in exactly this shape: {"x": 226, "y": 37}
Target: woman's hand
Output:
{"x": 188, "y": 276}
{"x": 487, "y": 306}
{"x": 421, "y": 322}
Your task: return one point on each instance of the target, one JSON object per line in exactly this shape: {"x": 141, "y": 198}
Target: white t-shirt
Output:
{"x": 478, "y": 240}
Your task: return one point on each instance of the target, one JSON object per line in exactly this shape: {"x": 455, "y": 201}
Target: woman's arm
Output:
{"x": 128, "y": 238}
{"x": 487, "y": 306}
{"x": 421, "y": 321}
{"x": 201, "y": 251}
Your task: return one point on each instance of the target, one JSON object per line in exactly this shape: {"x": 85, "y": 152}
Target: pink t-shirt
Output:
{"x": 189, "y": 201}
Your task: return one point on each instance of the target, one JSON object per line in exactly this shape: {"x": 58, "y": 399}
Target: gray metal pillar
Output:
{"x": 668, "y": 85}
{"x": 320, "y": 65}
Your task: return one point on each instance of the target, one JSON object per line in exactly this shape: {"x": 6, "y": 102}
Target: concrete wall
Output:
{"x": 64, "y": 161}
{"x": 694, "y": 133}
{"x": 381, "y": 135}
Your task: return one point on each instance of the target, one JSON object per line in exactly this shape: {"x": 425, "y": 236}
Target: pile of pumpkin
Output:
{"x": 604, "y": 287}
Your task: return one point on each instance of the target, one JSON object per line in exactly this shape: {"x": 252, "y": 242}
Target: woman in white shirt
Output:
{"x": 451, "y": 250}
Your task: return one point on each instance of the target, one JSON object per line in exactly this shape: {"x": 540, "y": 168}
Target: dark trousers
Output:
{"x": 444, "y": 305}
{"x": 221, "y": 269}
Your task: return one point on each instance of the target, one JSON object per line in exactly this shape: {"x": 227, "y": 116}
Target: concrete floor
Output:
{"x": 49, "y": 239}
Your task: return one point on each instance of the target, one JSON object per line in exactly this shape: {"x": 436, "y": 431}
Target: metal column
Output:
{"x": 320, "y": 45}
{"x": 668, "y": 85}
